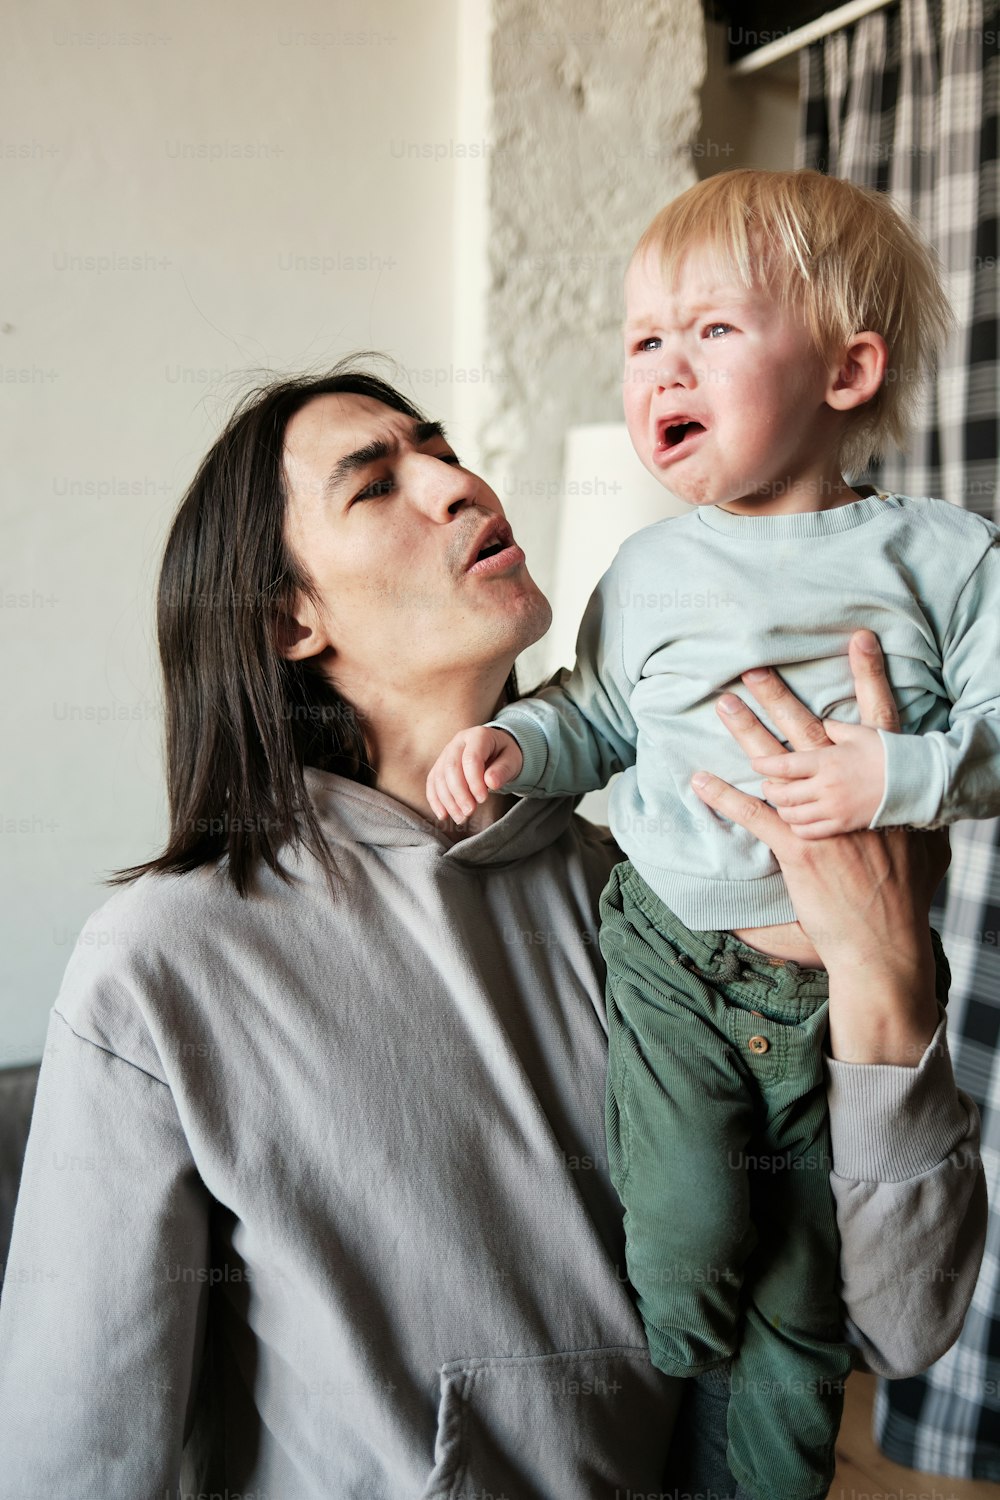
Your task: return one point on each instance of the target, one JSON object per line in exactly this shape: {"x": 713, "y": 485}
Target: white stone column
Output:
{"x": 595, "y": 104}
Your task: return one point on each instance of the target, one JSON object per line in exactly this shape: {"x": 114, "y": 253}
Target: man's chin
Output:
{"x": 512, "y": 616}
{"x": 534, "y": 615}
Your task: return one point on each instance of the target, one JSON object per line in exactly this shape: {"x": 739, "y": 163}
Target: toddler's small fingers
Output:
{"x": 793, "y": 766}
{"x": 507, "y": 764}
{"x": 461, "y": 802}
{"x": 787, "y": 793}
{"x": 472, "y": 771}
{"x": 798, "y": 817}
{"x": 823, "y": 829}
{"x": 434, "y": 790}
{"x": 434, "y": 801}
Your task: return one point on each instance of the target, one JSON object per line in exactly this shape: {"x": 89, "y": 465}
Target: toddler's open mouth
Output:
{"x": 675, "y": 437}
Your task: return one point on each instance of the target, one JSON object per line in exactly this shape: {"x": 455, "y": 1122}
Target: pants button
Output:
{"x": 758, "y": 1044}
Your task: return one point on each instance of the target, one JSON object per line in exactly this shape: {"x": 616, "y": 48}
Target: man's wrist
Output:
{"x": 883, "y": 1007}
{"x": 876, "y": 1025}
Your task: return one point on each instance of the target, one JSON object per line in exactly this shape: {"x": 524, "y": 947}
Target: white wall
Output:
{"x": 189, "y": 190}
{"x": 195, "y": 190}
{"x": 595, "y": 106}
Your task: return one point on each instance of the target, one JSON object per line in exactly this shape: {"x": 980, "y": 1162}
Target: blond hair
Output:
{"x": 847, "y": 258}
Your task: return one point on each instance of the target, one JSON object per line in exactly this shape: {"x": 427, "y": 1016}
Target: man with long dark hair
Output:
{"x": 336, "y": 1071}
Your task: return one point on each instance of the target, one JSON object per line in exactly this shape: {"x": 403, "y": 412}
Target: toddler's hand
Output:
{"x": 473, "y": 764}
{"x": 834, "y": 789}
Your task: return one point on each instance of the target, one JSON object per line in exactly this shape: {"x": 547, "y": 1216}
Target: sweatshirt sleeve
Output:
{"x": 936, "y": 778}
{"x": 103, "y": 1307}
{"x": 911, "y": 1206}
{"x": 578, "y": 730}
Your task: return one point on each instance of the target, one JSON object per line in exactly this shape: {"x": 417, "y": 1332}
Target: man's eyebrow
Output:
{"x": 375, "y": 451}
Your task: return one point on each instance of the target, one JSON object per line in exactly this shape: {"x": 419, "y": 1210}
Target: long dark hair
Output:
{"x": 241, "y": 721}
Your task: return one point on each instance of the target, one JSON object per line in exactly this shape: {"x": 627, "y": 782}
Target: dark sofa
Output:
{"x": 17, "y": 1095}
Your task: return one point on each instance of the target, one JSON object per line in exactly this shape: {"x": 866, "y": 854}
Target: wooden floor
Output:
{"x": 864, "y": 1474}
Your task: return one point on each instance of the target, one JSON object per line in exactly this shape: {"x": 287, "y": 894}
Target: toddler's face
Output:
{"x": 724, "y": 391}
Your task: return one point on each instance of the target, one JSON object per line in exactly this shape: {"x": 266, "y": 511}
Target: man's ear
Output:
{"x": 858, "y": 371}
{"x": 299, "y": 632}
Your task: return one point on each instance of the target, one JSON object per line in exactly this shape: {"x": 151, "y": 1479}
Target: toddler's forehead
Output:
{"x": 698, "y": 273}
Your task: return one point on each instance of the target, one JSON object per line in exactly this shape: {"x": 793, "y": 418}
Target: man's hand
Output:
{"x": 835, "y": 789}
{"x": 472, "y": 764}
{"x": 863, "y": 898}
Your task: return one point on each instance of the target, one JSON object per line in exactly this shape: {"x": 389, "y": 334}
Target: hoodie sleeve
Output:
{"x": 911, "y": 1206}
{"x": 103, "y": 1306}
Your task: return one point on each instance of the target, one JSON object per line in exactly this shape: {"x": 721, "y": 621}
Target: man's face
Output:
{"x": 724, "y": 391}
{"x": 416, "y": 569}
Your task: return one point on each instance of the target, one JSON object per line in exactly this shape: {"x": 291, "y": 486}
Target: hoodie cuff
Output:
{"x": 888, "y": 1123}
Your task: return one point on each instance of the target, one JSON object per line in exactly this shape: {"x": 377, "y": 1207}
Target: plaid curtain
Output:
{"x": 907, "y": 102}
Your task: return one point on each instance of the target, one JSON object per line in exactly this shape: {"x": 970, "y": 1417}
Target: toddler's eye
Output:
{"x": 645, "y": 345}
{"x": 716, "y": 330}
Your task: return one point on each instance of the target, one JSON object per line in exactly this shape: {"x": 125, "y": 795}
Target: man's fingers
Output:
{"x": 871, "y": 685}
{"x": 749, "y": 812}
{"x": 798, "y": 724}
{"x": 745, "y": 727}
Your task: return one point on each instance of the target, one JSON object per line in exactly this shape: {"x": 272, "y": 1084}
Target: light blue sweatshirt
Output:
{"x": 691, "y": 603}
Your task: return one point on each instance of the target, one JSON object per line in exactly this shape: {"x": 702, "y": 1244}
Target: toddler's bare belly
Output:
{"x": 785, "y": 940}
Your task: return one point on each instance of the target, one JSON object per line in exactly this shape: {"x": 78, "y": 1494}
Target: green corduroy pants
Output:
{"x": 719, "y": 1148}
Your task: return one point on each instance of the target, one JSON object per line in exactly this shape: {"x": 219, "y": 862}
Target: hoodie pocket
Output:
{"x": 585, "y": 1423}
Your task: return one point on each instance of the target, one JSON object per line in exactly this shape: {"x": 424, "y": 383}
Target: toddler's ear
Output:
{"x": 859, "y": 372}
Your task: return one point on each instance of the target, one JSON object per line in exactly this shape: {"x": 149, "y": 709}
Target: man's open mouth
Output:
{"x": 495, "y": 547}
{"x": 490, "y": 550}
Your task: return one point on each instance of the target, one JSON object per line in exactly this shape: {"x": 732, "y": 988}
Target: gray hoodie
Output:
{"x": 318, "y": 1188}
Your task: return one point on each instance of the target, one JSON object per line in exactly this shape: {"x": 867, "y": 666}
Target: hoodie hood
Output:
{"x": 350, "y": 813}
